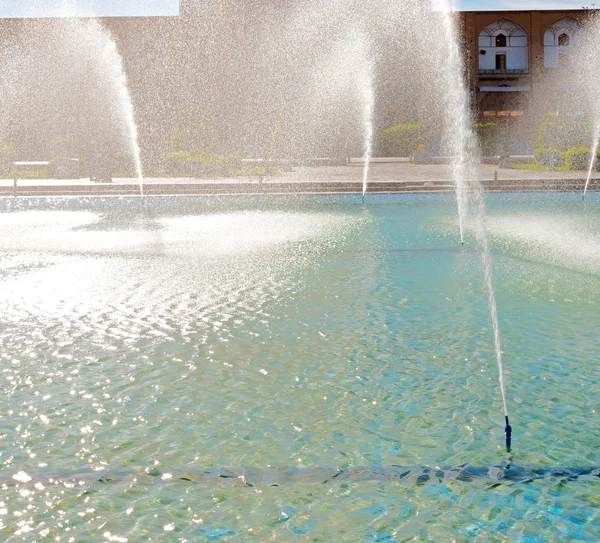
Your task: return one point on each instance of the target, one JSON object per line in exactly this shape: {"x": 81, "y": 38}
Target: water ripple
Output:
{"x": 278, "y": 340}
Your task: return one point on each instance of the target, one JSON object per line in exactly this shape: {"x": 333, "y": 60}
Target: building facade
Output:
{"x": 201, "y": 80}
{"x": 518, "y": 64}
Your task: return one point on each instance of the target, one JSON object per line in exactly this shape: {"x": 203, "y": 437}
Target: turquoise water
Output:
{"x": 195, "y": 370}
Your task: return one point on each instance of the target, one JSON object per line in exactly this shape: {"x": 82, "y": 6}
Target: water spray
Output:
{"x": 592, "y": 159}
{"x": 113, "y": 64}
{"x": 367, "y": 93}
{"x": 469, "y": 191}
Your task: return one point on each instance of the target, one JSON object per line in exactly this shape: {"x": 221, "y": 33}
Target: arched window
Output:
{"x": 559, "y": 41}
{"x": 503, "y": 48}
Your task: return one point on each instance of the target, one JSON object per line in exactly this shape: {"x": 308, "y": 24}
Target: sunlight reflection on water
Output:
{"x": 312, "y": 338}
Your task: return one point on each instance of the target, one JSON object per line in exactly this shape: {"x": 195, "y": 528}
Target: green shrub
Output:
{"x": 487, "y": 136}
{"x": 401, "y": 140}
{"x": 578, "y": 158}
{"x": 7, "y": 157}
{"x": 529, "y": 167}
{"x": 197, "y": 158}
{"x": 199, "y": 164}
{"x": 562, "y": 135}
{"x": 552, "y": 158}
{"x": 31, "y": 174}
{"x": 65, "y": 168}
{"x": 254, "y": 171}
{"x": 123, "y": 163}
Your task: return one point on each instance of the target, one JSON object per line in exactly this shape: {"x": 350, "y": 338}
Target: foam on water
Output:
{"x": 194, "y": 235}
{"x": 550, "y": 238}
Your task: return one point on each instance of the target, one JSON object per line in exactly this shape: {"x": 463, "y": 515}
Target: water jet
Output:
{"x": 148, "y": 345}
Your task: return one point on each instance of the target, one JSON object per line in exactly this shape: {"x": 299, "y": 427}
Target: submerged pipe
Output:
{"x": 418, "y": 475}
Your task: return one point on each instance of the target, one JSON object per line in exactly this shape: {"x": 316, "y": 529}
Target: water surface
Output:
{"x": 152, "y": 352}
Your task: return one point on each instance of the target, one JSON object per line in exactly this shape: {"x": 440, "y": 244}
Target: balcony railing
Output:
{"x": 507, "y": 72}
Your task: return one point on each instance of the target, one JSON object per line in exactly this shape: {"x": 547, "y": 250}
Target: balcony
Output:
{"x": 504, "y": 72}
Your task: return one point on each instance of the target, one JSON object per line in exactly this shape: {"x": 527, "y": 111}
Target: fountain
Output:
{"x": 364, "y": 79}
{"x": 469, "y": 192}
{"x": 349, "y": 76}
{"x": 594, "y": 157}
{"x": 85, "y": 108}
{"x": 323, "y": 367}
{"x": 114, "y": 67}
{"x": 590, "y": 48}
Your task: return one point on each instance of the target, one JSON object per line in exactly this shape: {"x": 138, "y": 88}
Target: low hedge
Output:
{"x": 562, "y": 135}
{"x": 199, "y": 164}
{"x": 254, "y": 171}
{"x": 401, "y": 140}
{"x": 30, "y": 174}
{"x": 529, "y": 167}
{"x": 7, "y": 157}
{"x": 578, "y": 158}
{"x": 573, "y": 159}
{"x": 487, "y": 136}
{"x": 552, "y": 158}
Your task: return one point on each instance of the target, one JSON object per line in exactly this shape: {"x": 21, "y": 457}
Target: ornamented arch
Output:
{"x": 559, "y": 41}
{"x": 514, "y": 32}
{"x": 566, "y": 26}
{"x": 503, "y": 48}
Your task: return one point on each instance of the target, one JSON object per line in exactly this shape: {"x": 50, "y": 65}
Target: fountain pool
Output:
{"x": 147, "y": 343}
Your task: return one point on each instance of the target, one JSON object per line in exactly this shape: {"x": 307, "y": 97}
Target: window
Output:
{"x": 501, "y": 61}
{"x": 563, "y": 59}
{"x": 508, "y": 38}
{"x": 559, "y": 39}
{"x": 563, "y": 40}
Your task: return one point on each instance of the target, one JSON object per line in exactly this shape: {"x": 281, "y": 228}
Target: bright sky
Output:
{"x": 99, "y": 8}
{"x": 49, "y": 8}
{"x": 483, "y": 5}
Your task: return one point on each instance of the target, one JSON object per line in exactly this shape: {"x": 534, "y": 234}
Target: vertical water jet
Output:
{"x": 368, "y": 98}
{"x": 469, "y": 192}
{"x": 84, "y": 109}
{"x": 113, "y": 64}
{"x": 459, "y": 139}
{"x": 593, "y": 158}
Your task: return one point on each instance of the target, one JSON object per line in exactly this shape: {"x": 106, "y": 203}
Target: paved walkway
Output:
{"x": 396, "y": 175}
{"x": 405, "y": 172}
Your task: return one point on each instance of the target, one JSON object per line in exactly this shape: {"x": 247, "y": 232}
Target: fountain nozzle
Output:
{"x": 508, "y": 432}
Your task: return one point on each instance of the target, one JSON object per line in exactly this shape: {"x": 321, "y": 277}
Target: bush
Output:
{"x": 7, "y": 157}
{"x": 31, "y": 174}
{"x": 254, "y": 171}
{"x": 578, "y": 158}
{"x": 199, "y": 164}
{"x": 562, "y": 135}
{"x": 529, "y": 167}
{"x": 123, "y": 162}
{"x": 552, "y": 158}
{"x": 487, "y": 136}
{"x": 421, "y": 155}
{"x": 402, "y": 139}
{"x": 65, "y": 168}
